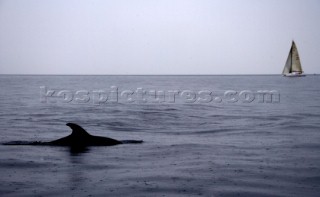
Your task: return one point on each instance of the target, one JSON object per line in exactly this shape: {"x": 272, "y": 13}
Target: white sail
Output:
{"x": 287, "y": 67}
{"x": 296, "y": 64}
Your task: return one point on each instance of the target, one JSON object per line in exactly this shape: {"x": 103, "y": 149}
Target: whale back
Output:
{"x": 78, "y": 139}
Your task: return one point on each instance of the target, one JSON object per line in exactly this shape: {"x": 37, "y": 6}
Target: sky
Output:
{"x": 157, "y": 36}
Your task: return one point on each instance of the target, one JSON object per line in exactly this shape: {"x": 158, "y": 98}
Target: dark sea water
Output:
{"x": 237, "y": 144}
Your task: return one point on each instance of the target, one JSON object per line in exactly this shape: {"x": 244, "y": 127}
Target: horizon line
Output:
{"x": 146, "y": 74}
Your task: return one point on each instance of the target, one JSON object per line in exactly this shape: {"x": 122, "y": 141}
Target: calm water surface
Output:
{"x": 218, "y": 148}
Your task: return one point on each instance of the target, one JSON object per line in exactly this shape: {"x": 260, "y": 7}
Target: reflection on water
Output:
{"x": 78, "y": 150}
{"x": 76, "y": 176}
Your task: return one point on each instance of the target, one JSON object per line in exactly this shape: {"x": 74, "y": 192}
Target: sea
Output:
{"x": 209, "y": 135}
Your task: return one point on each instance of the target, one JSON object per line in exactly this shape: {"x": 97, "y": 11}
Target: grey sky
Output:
{"x": 157, "y": 36}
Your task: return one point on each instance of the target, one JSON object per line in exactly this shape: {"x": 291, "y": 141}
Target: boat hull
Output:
{"x": 294, "y": 75}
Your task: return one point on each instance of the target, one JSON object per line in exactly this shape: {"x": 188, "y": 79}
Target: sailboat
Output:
{"x": 293, "y": 65}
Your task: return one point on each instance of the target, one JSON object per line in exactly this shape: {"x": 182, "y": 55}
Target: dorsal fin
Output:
{"x": 77, "y": 130}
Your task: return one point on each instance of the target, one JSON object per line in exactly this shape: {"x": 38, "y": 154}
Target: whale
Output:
{"x": 79, "y": 138}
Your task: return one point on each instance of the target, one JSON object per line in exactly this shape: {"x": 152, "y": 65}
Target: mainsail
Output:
{"x": 293, "y": 63}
